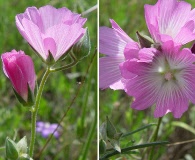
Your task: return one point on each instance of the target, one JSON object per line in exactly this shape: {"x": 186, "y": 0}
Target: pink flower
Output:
{"x": 116, "y": 45}
{"x": 50, "y": 30}
{"x": 171, "y": 19}
{"x": 19, "y": 68}
{"x": 165, "y": 78}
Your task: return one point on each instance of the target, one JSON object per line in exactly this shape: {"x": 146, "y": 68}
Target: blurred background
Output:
{"x": 79, "y": 126}
{"x": 129, "y": 14}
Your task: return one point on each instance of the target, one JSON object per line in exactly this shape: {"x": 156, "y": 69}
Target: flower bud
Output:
{"x": 19, "y": 68}
{"x": 82, "y": 48}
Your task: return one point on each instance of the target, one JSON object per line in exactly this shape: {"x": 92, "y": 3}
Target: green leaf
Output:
{"x": 184, "y": 126}
{"x": 116, "y": 144}
{"x": 11, "y": 149}
{"x": 102, "y": 146}
{"x": 127, "y": 149}
{"x": 103, "y": 131}
{"x": 111, "y": 130}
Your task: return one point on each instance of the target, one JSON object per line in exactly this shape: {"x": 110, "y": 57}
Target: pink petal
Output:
{"x": 131, "y": 50}
{"x": 34, "y": 37}
{"x": 170, "y": 46}
{"x": 110, "y": 43}
{"x": 151, "y": 13}
{"x": 52, "y": 16}
{"x": 188, "y": 30}
{"x": 171, "y": 99}
{"x": 31, "y": 14}
{"x": 109, "y": 73}
{"x": 17, "y": 79}
{"x": 173, "y": 16}
{"x": 147, "y": 54}
{"x": 142, "y": 83}
{"x": 130, "y": 68}
{"x": 65, "y": 36}
{"x": 187, "y": 83}
{"x": 120, "y": 32}
{"x": 26, "y": 66}
{"x": 50, "y": 46}
{"x": 145, "y": 89}
{"x": 127, "y": 69}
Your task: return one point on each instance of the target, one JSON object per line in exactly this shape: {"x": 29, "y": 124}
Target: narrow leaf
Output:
{"x": 139, "y": 129}
{"x": 184, "y": 126}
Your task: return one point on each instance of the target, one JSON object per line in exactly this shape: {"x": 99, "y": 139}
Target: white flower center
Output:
{"x": 167, "y": 70}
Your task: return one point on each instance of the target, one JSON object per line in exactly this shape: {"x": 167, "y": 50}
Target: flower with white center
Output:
{"x": 166, "y": 79}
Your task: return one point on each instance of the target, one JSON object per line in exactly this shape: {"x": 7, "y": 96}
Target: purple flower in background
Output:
{"x": 19, "y": 68}
{"x": 50, "y": 30}
{"x": 46, "y": 129}
{"x": 117, "y": 46}
{"x": 171, "y": 19}
{"x": 165, "y": 78}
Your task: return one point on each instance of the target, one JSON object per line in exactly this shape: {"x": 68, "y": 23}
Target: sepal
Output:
{"x": 30, "y": 98}
{"x": 144, "y": 41}
{"x": 11, "y": 149}
{"x": 25, "y": 157}
{"x": 22, "y": 146}
{"x": 20, "y": 99}
{"x": 50, "y": 59}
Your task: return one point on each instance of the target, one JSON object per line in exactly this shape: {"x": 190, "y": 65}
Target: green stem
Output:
{"x": 90, "y": 136}
{"x": 87, "y": 145}
{"x": 128, "y": 149}
{"x": 34, "y": 111}
{"x": 74, "y": 62}
{"x": 154, "y": 138}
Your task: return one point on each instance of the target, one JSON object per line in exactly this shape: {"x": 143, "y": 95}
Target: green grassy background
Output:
{"x": 60, "y": 88}
{"x": 129, "y": 14}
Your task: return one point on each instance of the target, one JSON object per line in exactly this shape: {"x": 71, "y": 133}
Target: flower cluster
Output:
{"x": 163, "y": 73}
{"x": 46, "y": 129}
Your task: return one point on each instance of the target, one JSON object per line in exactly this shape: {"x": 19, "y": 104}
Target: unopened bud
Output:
{"x": 82, "y": 48}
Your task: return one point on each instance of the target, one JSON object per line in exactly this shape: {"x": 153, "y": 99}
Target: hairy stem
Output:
{"x": 34, "y": 111}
